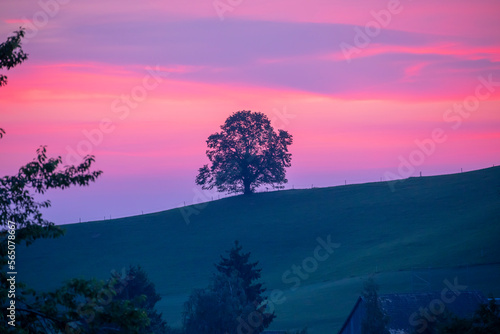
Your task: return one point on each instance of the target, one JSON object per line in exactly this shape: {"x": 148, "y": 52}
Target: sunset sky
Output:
{"x": 370, "y": 90}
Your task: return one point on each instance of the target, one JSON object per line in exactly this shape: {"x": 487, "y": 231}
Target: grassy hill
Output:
{"x": 425, "y": 231}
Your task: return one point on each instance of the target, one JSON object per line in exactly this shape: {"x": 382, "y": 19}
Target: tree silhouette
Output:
{"x": 232, "y": 303}
{"x": 247, "y": 153}
{"x": 139, "y": 286}
{"x": 238, "y": 263}
{"x": 215, "y": 309}
{"x": 375, "y": 320}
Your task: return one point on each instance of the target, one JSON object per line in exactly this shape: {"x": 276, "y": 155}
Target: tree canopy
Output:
{"x": 245, "y": 154}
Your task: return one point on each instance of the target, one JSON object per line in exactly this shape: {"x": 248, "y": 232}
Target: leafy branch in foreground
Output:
{"x": 17, "y": 194}
{"x": 11, "y": 54}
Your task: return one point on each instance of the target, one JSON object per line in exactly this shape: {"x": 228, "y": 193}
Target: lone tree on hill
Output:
{"x": 247, "y": 153}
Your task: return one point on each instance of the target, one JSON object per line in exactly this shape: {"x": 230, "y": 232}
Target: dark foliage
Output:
{"x": 11, "y": 54}
{"x": 375, "y": 320}
{"x": 238, "y": 263}
{"x": 142, "y": 293}
{"x": 82, "y": 306}
{"x": 232, "y": 303}
{"x": 216, "y": 309}
{"x": 486, "y": 320}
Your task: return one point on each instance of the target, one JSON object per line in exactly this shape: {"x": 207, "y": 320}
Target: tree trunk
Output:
{"x": 247, "y": 191}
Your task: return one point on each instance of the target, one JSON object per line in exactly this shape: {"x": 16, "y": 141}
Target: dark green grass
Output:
{"x": 449, "y": 225}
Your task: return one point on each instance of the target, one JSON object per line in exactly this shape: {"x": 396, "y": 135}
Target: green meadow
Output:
{"x": 411, "y": 236}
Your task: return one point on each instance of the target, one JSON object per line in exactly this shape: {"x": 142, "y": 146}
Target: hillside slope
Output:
{"x": 449, "y": 225}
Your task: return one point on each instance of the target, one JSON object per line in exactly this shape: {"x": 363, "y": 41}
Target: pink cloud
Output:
{"x": 267, "y": 56}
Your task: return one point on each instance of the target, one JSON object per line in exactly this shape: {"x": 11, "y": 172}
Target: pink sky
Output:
{"x": 163, "y": 75}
